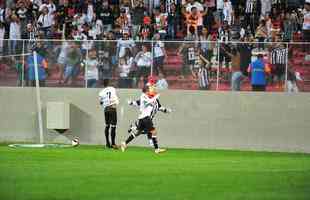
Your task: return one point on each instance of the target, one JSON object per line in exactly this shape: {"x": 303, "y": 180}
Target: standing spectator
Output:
{"x": 207, "y": 45}
{"x": 245, "y": 50}
{"x": 124, "y": 70}
{"x": 45, "y": 22}
{"x": 62, "y": 60}
{"x": 261, "y": 34}
{"x": 203, "y": 73}
{"x": 306, "y": 22}
{"x": 278, "y": 57}
{"x": 211, "y": 5}
{"x": 159, "y": 55}
{"x": 224, "y": 38}
{"x": 73, "y": 61}
{"x": 42, "y": 69}
{"x": 129, "y": 60}
{"x": 123, "y": 21}
{"x": 288, "y": 28}
{"x": 144, "y": 64}
{"x": 228, "y": 12}
{"x": 24, "y": 15}
{"x": 2, "y": 34}
{"x": 160, "y": 22}
{"x": 173, "y": 21}
{"x": 15, "y": 33}
{"x": 220, "y": 7}
{"x": 193, "y": 4}
{"x": 258, "y": 71}
{"x": 194, "y": 18}
{"x": 237, "y": 76}
{"x": 89, "y": 11}
{"x": 266, "y": 7}
{"x": 161, "y": 83}
{"x": 91, "y": 72}
{"x": 105, "y": 14}
{"x": 187, "y": 50}
{"x": 123, "y": 43}
{"x": 106, "y": 57}
{"x": 146, "y": 29}
{"x": 137, "y": 18}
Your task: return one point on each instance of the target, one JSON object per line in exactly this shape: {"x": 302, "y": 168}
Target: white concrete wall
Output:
{"x": 222, "y": 120}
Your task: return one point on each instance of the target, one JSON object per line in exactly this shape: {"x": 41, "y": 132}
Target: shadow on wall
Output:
{"x": 80, "y": 126}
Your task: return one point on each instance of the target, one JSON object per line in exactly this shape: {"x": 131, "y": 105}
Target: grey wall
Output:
{"x": 223, "y": 120}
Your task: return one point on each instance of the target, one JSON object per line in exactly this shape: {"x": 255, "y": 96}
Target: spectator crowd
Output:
{"x": 153, "y": 20}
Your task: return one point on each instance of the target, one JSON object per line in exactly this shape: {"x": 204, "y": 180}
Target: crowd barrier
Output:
{"x": 188, "y": 65}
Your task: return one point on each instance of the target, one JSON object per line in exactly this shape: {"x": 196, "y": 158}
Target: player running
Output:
{"x": 149, "y": 105}
{"x": 134, "y": 126}
{"x": 109, "y": 101}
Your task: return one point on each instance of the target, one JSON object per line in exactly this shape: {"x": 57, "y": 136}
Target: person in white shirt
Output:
{"x": 144, "y": 63}
{"x": 45, "y": 21}
{"x": 192, "y": 3}
{"x": 159, "y": 54}
{"x": 91, "y": 71}
{"x": 161, "y": 83}
{"x": 124, "y": 70}
{"x": 2, "y": 33}
{"x": 124, "y": 43}
{"x": 148, "y": 105}
{"x": 50, "y": 6}
{"x": 228, "y": 12}
{"x": 306, "y": 22}
{"x": 62, "y": 60}
{"x": 108, "y": 100}
{"x": 15, "y": 33}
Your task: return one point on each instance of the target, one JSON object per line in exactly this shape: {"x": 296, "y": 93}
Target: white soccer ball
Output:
{"x": 75, "y": 142}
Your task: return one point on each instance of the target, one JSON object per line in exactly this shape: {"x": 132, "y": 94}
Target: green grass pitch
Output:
{"x": 95, "y": 173}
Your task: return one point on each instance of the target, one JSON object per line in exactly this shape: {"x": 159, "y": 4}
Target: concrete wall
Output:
{"x": 222, "y": 120}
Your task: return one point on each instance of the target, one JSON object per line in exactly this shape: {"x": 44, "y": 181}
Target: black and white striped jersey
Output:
{"x": 156, "y": 106}
{"x": 250, "y": 6}
{"x": 279, "y": 56}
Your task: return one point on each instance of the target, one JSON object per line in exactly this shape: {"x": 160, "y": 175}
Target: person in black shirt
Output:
{"x": 105, "y": 14}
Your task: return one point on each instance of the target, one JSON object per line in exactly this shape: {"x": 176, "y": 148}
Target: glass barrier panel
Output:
{"x": 12, "y": 63}
{"x": 298, "y": 76}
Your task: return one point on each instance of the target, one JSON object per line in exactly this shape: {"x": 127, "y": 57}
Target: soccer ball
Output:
{"x": 75, "y": 142}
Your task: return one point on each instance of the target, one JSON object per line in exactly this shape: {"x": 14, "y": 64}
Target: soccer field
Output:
{"x": 92, "y": 173}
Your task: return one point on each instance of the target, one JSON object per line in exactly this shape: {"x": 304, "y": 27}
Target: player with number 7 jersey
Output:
{"x": 108, "y": 100}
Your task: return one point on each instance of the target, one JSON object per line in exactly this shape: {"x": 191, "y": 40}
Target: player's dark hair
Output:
{"x": 106, "y": 82}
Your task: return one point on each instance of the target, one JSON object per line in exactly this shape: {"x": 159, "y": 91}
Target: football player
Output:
{"x": 148, "y": 105}
{"x": 109, "y": 101}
